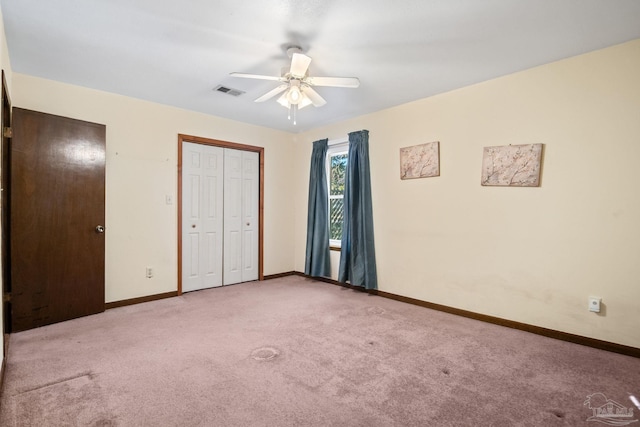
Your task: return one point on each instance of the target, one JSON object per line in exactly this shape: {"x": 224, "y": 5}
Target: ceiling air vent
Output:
{"x": 228, "y": 90}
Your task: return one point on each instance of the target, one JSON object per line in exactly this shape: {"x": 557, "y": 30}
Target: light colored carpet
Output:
{"x": 296, "y": 352}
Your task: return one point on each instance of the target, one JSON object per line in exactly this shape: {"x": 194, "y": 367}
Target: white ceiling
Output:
{"x": 176, "y": 52}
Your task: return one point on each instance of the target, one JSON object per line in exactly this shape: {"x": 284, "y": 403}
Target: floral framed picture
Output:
{"x": 512, "y": 165}
{"x": 420, "y": 161}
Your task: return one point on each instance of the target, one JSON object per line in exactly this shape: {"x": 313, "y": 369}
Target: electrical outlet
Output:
{"x": 149, "y": 272}
{"x": 594, "y": 304}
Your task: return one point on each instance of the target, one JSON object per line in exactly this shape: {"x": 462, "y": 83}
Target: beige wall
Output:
{"x": 142, "y": 152}
{"x": 532, "y": 255}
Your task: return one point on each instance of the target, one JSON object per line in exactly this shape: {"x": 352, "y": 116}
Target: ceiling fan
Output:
{"x": 297, "y": 84}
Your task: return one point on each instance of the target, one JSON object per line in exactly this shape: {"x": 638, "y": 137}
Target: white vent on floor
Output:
{"x": 228, "y": 90}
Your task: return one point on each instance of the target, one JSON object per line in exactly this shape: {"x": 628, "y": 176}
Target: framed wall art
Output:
{"x": 420, "y": 161}
{"x": 512, "y": 165}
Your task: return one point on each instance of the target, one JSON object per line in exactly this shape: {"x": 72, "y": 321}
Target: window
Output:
{"x": 337, "y": 156}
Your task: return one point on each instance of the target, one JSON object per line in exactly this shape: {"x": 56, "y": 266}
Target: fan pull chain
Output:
{"x": 293, "y": 109}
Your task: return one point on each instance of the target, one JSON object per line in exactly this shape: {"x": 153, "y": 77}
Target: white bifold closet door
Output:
{"x": 220, "y": 192}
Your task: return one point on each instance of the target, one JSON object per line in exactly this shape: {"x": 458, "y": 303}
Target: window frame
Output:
{"x": 336, "y": 147}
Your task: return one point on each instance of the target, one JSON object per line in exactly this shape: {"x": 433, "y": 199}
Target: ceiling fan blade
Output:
{"x": 352, "y": 82}
{"x": 255, "y": 76}
{"x": 299, "y": 65}
{"x": 272, "y": 93}
{"x": 314, "y": 97}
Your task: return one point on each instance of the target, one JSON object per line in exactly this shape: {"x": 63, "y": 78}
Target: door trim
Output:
{"x": 5, "y": 121}
{"x": 224, "y": 144}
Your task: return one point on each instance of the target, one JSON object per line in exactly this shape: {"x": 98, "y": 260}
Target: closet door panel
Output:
{"x": 232, "y": 217}
{"x": 250, "y": 220}
{"x": 202, "y": 182}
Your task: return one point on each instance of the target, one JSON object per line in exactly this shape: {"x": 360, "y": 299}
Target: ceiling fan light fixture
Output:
{"x": 302, "y": 101}
{"x": 305, "y": 101}
{"x": 283, "y": 101}
{"x": 294, "y": 96}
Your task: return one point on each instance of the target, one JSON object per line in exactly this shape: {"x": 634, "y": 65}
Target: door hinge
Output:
{"x": 6, "y": 297}
{"x": 7, "y": 132}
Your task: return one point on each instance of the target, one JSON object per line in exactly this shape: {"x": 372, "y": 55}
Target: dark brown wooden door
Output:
{"x": 57, "y": 203}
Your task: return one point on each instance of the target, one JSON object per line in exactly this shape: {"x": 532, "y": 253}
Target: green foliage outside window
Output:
{"x": 338, "y": 165}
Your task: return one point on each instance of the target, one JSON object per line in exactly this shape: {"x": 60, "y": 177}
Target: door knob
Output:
{"x": 100, "y": 229}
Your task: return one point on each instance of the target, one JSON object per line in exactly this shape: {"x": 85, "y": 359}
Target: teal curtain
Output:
{"x": 317, "y": 262}
{"x": 358, "y": 255}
